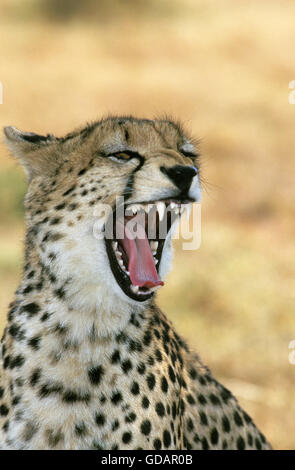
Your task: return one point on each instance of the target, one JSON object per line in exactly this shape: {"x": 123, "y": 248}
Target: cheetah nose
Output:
{"x": 180, "y": 175}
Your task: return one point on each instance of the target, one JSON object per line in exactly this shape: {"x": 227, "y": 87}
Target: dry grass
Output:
{"x": 224, "y": 68}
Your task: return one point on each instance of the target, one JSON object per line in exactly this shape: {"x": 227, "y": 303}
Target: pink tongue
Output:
{"x": 141, "y": 266}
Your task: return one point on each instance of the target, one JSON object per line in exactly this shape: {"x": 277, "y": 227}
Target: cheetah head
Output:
{"x": 151, "y": 166}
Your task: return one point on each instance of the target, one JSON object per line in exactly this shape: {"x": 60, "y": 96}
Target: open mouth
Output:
{"x": 135, "y": 252}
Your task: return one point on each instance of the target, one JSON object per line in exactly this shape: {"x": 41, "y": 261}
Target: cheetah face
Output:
{"x": 150, "y": 166}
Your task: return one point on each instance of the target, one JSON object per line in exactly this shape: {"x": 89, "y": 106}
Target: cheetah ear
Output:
{"x": 31, "y": 150}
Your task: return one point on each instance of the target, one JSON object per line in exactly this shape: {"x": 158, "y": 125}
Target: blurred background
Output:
{"x": 223, "y": 68}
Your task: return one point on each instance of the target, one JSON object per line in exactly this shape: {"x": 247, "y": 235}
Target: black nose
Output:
{"x": 181, "y": 175}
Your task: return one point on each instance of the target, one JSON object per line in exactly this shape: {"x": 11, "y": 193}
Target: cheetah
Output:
{"x": 88, "y": 359}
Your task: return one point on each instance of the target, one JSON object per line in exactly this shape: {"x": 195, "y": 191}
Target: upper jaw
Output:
{"x": 166, "y": 211}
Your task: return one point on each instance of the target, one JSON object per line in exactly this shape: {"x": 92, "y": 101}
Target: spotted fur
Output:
{"x": 82, "y": 365}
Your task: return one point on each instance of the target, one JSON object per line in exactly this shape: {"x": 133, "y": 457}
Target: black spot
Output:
{"x": 164, "y": 385}
{"x": 35, "y": 377}
{"x": 250, "y": 439}
{"x": 190, "y": 425}
{"x": 214, "y": 400}
{"x": 190, "y": 399}
{"x": 225, "y": 424}
{"x": 130, "y": 418}
{"x": 31, "y": 308}
{"x": 202, "y": 399}
{"x": 160, "y": 409}
{"x": 157, "y": 444}
{"x": 1, "y": 392}
{"x": 146, "y": 427}
{"x": 95, "y": 374}
{"x": 35, "y": 342}
{"x": 240, "y": 443}
{"x": 258, "y": 444}
{"x": 4, "y": 410}
{"x": 5, "y": 426}
{"x": 60, "y": 206}
{"x": 171, "y": 374}
{"x": 135, "y": 388}
{"x": 60, "y": 293}
{"x": 158, "y": 355}
{"x": 71, "y": 189}
{"x": 214, "y": 436}
{"x": 166, "y": 438}
{"x": 73, "y": 206}
{"x": 55, "y": 221}
{"x": 17, "y": 361}
{"x": 28, "y": 289}
{"x": 126, "y": 438}
{"x": 205, "y": 445}
{"x": 151, "y": 361}
{"x": 203, "y": 418}
{"x": 71, "y": 396}
{"x": 238, "y": 419}
{"x": 115, "y": 357}
{"x": 116, "y": 398}
{"x": 126, "y": 366}
{"x": 82, "y": 172}
{"x": 16, "y": 400}
{"x": 147, "y": 338}
{"x": 100, "y": 419}
{"x": 151, "y": 381}
{"x": 49, "y": 388}
{"x": 145, "y": 402}
{"x": 141, "y": 368}
{"x": 115, "y": 425}
{"x": 80, "y": 429}
{"x": 45, "y": 316}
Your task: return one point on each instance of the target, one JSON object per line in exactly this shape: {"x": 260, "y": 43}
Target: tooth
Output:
{"x": 118, "y": 254}
{"x": 121, "y": 262}
{"x": 135, "y": 289}
{"x": 156, "y": 260}
{"x": 161, "y": 209}
{"x": 172, "y": 205}
{"x": 154, "y": 245}
{"x": 115, "y": 245}
{"x": 149, "y": 207}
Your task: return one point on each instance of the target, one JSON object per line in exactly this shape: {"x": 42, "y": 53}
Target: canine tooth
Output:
{"x": 154, "y": 245}
{"x": 173, "y": 205}
{"x": 135, "y": 289}
{"x": 149, "y": 207}
{"x": 161, "y": 209}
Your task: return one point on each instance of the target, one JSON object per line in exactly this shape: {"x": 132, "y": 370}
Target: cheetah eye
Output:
{"x": 123, "y": 156}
